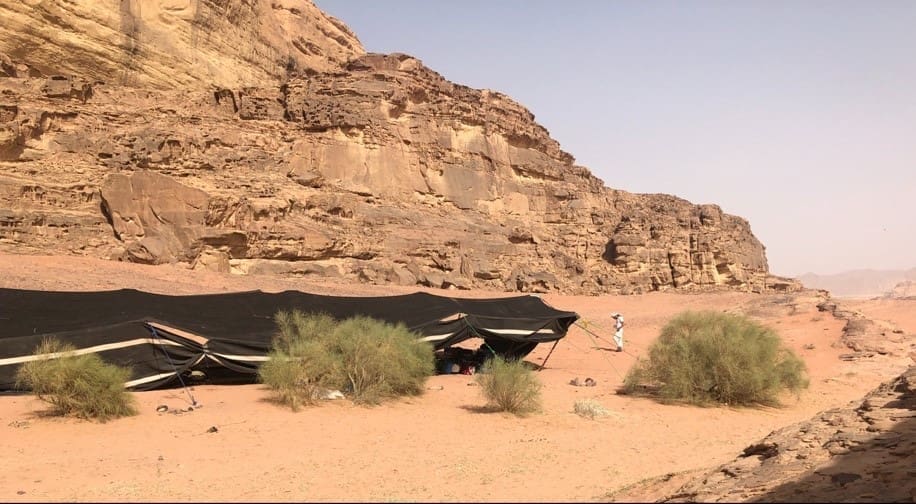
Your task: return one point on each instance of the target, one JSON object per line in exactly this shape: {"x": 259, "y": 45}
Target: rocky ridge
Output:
{"x": 865, "y": 452}
{"x": 359, "y": 166}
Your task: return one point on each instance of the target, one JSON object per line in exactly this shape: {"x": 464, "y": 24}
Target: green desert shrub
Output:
{"x": 708, "y": 357}
{"x": 378, "y": 360}
{"x": 589, "y": 408}
{"x": 79, "y": 385}
{"x": 300, "y": 365}
{"x": 295, "y": 328}
{"x": 369, "y": 359}
{"x": 510, "y": 385}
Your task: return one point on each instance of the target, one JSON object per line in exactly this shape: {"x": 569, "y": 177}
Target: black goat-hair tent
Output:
{"x": 161, "y": 337}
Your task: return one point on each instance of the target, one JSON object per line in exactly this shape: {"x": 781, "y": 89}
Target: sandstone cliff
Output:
{"x": 374, "y": 168}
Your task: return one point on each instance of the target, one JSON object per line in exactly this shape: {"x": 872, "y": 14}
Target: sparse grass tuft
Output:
{"x": 510, "y": 385}
{"x": 79, "y": 385}
{"x": 711, "y": 357}
{"x": 589, "y": 408}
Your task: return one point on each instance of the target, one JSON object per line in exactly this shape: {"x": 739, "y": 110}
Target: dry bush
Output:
{"x": 510, "y": 385}
{"x": 80, "y": 385}
{"x": 589, "y": 408}
{"x": 708, "y": 357}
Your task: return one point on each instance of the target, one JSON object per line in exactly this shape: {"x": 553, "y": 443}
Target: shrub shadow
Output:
{"x": 485, "y": 409}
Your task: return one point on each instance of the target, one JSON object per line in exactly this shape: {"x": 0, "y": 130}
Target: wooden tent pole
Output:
{"x": 555, "y": 343}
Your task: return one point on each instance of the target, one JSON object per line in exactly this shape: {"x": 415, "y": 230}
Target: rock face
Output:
{"x": 375, "y": 169}
{"x": 863, "y": 453}
{"x": 174, "y": 43}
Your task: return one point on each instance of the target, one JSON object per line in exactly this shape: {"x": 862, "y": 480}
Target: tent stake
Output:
{"x": 555, "y": 343}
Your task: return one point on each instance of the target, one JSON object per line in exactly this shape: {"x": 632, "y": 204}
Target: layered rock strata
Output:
{"x": 166, "y": 44}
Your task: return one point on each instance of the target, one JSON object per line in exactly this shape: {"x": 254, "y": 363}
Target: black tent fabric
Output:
{"x": 161, "y": 337}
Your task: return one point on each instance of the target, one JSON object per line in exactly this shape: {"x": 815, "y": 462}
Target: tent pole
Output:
{"x": 162, "y": 347}
{"x": 555, "y": 343}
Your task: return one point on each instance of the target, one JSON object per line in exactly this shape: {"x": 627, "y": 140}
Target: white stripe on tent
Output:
{"x": 249, "y": 358}
{"x": 440, "y": 337}
{"x": 87, "y": 350}
{"x": 141, "y": 381}
{"x": 178, "y": 332}
{"x": 518, "y": 331}
{"x": 203, "y": 341}
{"x": 217, "y": 359}
{"x": 437, "y": 337}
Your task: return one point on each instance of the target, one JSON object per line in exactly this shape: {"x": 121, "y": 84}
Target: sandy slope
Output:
{"x": 437, "y": 447}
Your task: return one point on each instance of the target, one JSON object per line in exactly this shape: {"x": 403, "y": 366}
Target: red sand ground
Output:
{"x": 436, "y": 447}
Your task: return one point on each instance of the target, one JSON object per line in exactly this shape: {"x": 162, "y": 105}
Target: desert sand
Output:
{"x": 441, "y": 446}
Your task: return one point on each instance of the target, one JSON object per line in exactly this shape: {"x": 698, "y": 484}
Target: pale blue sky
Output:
{"x": 799, "y": 116}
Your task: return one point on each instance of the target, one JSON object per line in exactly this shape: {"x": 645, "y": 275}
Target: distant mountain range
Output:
{"x": 859, "y": 283}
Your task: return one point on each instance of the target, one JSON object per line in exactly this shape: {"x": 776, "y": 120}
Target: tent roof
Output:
{"x": 242, "y": 324}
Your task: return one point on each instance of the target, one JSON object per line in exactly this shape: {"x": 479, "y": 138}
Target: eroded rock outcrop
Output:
{"x": 866, "y": 337}
{"x": 377, "y": 169}
{"x": 862, "y": 453}
{"x": 157, "y": 218}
